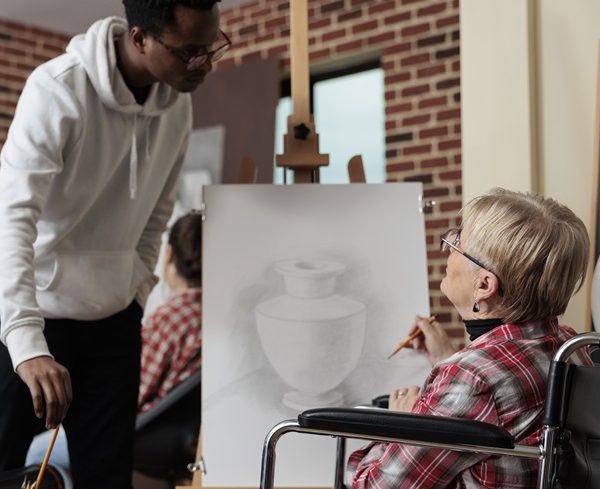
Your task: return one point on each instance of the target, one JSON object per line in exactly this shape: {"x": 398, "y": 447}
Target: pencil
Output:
{"x": 46, "y": 458}
{"x": 417, "y": 332}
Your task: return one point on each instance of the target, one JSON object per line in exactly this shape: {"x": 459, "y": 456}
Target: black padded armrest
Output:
{"x": 415, "y": 427}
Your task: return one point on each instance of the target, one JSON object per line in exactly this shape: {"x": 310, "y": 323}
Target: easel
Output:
{"x": 301, "y": 142}
{"x": 301, "y": 145}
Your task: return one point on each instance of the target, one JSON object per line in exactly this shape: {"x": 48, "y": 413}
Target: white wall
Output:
{"x": 497, "y": 106}
{"x": 538, "y": 60}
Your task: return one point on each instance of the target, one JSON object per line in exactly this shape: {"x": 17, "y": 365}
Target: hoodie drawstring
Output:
{"x": 133, "y": 162}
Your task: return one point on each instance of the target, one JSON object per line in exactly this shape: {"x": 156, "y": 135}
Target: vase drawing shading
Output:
{"x": 311, "y": 336}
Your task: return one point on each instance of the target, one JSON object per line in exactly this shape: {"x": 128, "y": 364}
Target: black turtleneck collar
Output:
{"x": 478, "y": 327}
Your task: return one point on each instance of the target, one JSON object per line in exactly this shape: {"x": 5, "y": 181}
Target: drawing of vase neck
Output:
{"x": 312, "y": 336}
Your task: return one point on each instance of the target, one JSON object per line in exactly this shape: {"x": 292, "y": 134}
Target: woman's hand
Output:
{"x": 404, "y": 399}
{"x": 434, "y": 341}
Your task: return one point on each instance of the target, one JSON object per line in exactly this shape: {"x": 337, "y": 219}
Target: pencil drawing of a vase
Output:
{"x": 312, "y": 336}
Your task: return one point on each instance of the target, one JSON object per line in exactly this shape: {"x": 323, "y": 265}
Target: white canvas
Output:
{"x": 307, "y": 290}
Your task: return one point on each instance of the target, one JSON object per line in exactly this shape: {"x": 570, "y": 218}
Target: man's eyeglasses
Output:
{"x": 451, "y": 239}
{"x": 195, "y": 61}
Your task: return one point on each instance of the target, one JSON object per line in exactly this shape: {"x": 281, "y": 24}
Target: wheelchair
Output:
{"x": 166, "y": 435}
{"x": 569, "y": 454}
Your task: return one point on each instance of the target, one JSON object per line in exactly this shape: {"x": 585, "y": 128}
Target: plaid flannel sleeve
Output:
{"x": 454, "y": 391}
{"x": 156, "y": 360}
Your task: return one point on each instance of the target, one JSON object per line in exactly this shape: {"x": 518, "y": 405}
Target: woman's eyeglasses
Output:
{"x": 451, "y": 239}
{"x": 195, "y": 60}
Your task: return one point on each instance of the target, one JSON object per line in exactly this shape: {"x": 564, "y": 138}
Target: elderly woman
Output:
{"x": 512, "y": 268}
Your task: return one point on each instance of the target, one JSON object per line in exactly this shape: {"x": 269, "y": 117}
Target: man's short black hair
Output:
{"x": 153, "y": 15}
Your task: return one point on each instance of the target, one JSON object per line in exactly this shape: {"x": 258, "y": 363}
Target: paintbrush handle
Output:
{"x": 46, "y": 458}
{"x": 405, "y": 342}
{"x": 417, "y": 332}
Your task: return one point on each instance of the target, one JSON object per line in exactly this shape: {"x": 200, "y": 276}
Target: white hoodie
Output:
{"x": 87, "y": 180}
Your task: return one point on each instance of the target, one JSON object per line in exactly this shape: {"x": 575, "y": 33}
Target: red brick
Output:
{"x": 380, "y": 38}
{"x": 431, "y": 10}
{"x": 319, "y": 24}
{"x": 447, "y": 53}
{"x": 328, "y": 36}
{"x": 382, "y": 7}
{"x": 445, "y": 22}
{"x": 433, "y": 102}
{"x": 400, "y": 77}
{"x": 406, "y": 166}
{"x": 349, "y": 46}
{"x": 451, "y": 175}
{"x": 261, "y": 13}
{"x": 415, "y": 59}
{"x": 434, "y": 162}
{"x": 450, "y": 206}
{"x": 355, "y": 14}
{"x": 397, "y": 18}
{"x": 420, "y": 149}
{"x": 394, "y": 109}
{"x": 436, "y": 192}
{"x": 437, "y": 224}
{"x": 397, "y": 48}
{"x": 431, "y": 40}
{"x": 277, "y": 22}
{"x": 250, "y": 29}
{"x": 431, "y": 71}
{"x": 415, "y": 90}
{"x": 320, "y": 54}
{"x": 365, "y": 26}
{"x": 413, "y": 30}
{"x": 277, "y": 50}
{"x": 416, "y": 119}
{"x": 448, "y": 114}
{"x": 390, "y": 125}
{"x": 433, "y": 132}
{"x": 454, "y": 144}
{"x": 332, "y": 6}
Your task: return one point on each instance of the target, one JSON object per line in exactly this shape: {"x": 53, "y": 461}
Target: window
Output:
{"x": 350, "y": 117}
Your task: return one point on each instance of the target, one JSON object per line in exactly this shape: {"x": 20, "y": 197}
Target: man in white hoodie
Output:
{"x": 87, "y": 179}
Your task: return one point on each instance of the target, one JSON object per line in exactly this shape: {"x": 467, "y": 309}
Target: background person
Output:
{"x": 512, "y": 268}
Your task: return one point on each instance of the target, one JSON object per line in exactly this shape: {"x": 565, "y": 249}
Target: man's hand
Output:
{"x": 404, "y": 399}
{"x": 50, "y": 386}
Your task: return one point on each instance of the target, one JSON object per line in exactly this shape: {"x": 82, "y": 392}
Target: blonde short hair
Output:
{"x": 537, "y": 247}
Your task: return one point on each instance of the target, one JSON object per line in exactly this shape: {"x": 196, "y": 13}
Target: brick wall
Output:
{"x": 22, "y": 48}
{"x": 417, "y": 43}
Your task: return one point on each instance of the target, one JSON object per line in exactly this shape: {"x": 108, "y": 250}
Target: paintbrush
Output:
{"x": 417, "y": 332}
{"x": 45, "y": 461}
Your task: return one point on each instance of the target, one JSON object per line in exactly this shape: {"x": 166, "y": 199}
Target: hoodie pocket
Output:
{"x": 86, "y": 285}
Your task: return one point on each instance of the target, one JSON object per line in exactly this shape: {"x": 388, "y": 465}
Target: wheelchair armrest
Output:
{"x": 408, "y": 426}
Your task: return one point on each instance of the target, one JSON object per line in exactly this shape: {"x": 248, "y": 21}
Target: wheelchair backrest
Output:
{"x": 572, "y": 408}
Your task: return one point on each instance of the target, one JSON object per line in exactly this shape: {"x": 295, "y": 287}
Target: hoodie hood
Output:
{"x": 95, "y": 50}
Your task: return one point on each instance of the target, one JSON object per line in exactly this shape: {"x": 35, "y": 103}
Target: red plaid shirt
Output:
{"x": 500, "y": 379}
{"x": 171, "y": 346}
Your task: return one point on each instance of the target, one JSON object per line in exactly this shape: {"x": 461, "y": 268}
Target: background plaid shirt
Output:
{"x": 171, "y": 346}
{"x": 500, "y": 379}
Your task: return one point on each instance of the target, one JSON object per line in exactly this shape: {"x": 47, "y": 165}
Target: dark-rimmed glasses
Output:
{"x": 194, "y": 61}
